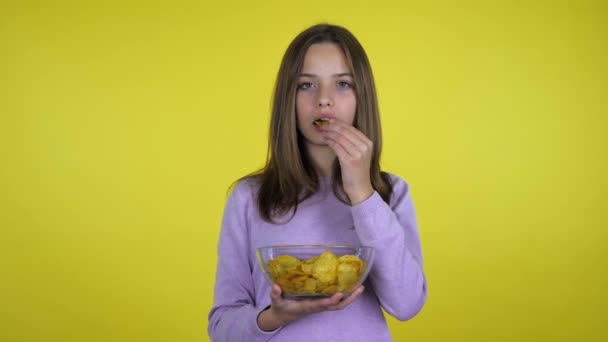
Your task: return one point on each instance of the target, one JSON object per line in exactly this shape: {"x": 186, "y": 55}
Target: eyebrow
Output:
{"x": 334, "y": 75}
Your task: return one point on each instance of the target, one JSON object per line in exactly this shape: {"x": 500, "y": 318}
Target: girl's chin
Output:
{"x": 317, "y": 143}
{"x": 314, "y": 139}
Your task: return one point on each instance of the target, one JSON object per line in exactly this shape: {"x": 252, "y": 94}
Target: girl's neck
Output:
{"x": 322, "y": 158}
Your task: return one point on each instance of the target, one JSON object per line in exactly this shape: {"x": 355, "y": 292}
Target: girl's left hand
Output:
{"x": 283, "y": 311}
{"x": 354, "y": 152}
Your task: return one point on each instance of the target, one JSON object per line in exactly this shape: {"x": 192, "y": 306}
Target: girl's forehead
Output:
{"x": 325, "y": 57}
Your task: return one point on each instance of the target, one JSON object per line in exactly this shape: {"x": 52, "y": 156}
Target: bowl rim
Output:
{"x": 315, "y": 246}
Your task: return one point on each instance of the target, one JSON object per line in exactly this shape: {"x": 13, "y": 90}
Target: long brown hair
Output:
{"x": 289, "y": 176}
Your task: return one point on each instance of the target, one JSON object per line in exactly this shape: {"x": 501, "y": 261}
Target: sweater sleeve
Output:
{"x": 397, "y": 274}
{"x": 233, "y": 316}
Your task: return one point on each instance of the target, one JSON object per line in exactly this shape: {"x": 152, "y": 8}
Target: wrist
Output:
{"x": 360, "y": 195}
{"x": 269, "y": 320}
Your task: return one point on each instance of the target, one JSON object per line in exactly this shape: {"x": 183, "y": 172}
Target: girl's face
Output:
{"x": 326, "y": 89}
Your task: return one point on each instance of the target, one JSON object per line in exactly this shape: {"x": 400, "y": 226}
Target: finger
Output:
{"x": 331, "y": 303}
{"x": 351, "y": 298}
{"x": 347, "y": 145}
{"x": 325, "y": 302}
{"x": 351, "y": 133}
{"x": 340, "y": 152}
{"x": 348, "y": 300}
{"x": 275, "y": 292}
{"x": 336, "y": 125}
{"x": 310, "y": 306}
{"x": 351, "y": 139}
{"x": 333, "y": 300}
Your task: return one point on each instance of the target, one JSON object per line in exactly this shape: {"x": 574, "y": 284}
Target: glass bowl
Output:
{"x": 315, "y": 271}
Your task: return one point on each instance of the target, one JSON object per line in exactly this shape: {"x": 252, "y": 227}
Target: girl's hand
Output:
{"x": 354, "y": 152}
{"x": 283, "y": 311}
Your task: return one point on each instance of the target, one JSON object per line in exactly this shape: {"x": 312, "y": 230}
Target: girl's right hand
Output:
{"x": 283, "y": 311}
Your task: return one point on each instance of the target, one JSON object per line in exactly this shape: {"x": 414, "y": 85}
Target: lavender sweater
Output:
{"x": 396, "y": 282}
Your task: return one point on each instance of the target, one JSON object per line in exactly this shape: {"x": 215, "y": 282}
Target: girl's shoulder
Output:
{"x": 245, "y": 188}
{"x": 394, "y": 178}
{"x": 399, "y": 185}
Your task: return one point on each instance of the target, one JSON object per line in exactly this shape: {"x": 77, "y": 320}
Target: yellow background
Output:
{"x": 122, "y": 124}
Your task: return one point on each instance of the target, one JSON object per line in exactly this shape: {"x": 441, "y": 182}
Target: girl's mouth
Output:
{"x": 321, "y": 122}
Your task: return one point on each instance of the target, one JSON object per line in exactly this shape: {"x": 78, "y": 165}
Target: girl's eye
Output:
{"x": 305, "y": 85}
{"x": 344, "y": 84}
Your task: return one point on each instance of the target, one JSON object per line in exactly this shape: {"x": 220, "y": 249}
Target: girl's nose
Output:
{"x": 325, "y": 98}
{"x": 324, "y": 101}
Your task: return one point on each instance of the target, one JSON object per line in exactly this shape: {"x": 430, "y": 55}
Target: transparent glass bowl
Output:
{"x": 323, "y": 287}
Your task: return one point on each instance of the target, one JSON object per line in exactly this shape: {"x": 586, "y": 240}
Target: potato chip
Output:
{"x": 322, "y": 274}
{"x": 321, "y": 122}
{"x": 324, "y": 268}
{"x": 348, "y": 274}
{"x": 282, "y": 264}
{"x": 306, "y": 268}
{"x": 310, "y": 285}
